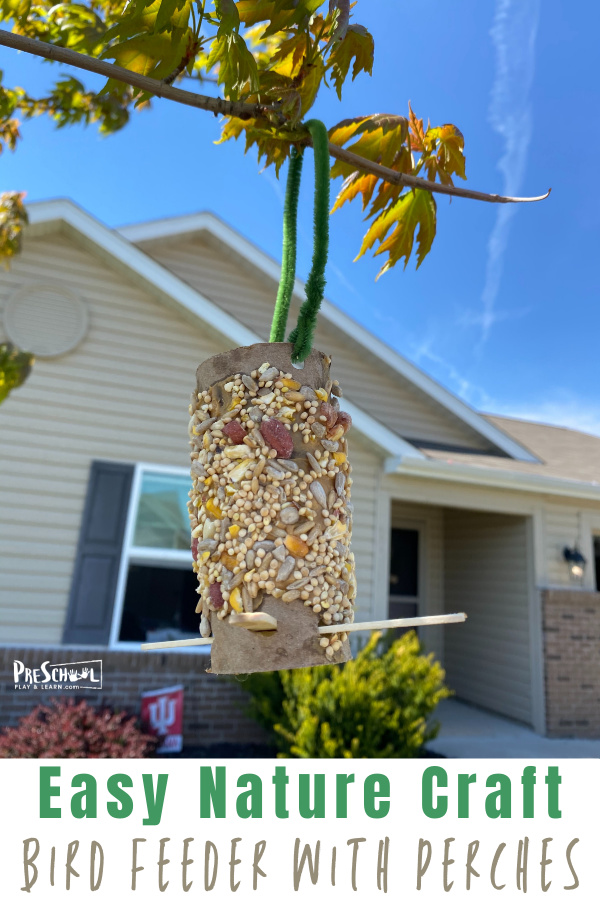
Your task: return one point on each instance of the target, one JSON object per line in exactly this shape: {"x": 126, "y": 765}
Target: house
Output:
{"x": 454, "y": 510}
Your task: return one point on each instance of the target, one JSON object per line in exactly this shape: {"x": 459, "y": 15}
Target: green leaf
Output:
{"x": 165, "y": 14}
{"x": 13, "y": 218}
{"x": 237, "y": 66}
{"x": 15, "y": 366}
{"x": 228, "y": 15}
{"x": 148, "y": 54}
{"x": 357, "y": 45}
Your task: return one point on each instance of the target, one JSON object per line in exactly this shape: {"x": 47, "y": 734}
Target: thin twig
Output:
{"x": 239, "y": 110}
{"x": 372, "y": 168}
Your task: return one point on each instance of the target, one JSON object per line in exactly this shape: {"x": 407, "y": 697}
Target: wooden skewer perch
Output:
{"x": 415, "y": 621}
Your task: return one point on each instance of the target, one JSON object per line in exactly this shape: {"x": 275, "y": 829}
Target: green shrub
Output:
{"x": 375, "y": 706}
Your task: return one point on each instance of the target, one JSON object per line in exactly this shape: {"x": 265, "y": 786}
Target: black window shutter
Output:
{"x": 96, "y": 571}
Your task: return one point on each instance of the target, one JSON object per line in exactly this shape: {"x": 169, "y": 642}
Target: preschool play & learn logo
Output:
{"x": 72, "y": 676}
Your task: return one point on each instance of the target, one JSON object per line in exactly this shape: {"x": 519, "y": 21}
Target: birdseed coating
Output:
{"x": 270, "y": 507}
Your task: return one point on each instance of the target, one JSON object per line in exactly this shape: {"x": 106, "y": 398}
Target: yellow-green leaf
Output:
{"x": 413, "y": 216}
{"x": 15, "y": 366}
{"x": 357, "y": 45}
{"x": 450, "y": 145}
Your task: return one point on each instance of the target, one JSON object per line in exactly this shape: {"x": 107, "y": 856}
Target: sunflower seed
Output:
{"x": 267, "y": 546}
{"x": 340, "y": 483}
{"x": 315, "y": 466}
{"x": 250, "y": 557}
{"x": 302, "y": 582}
{"x": 308, "y": 392}
{"x": 205, "y": 629}
{"x": 271, "y": 374}
{"x": 318, "y": 571}
{"x": 318, "y": 429}
{"x": 288, "y": 464}
{"x": 285, "y": 569}
{"x": 289, "y": 515}
{"x": 280, "y": 553}
{"x": 250, "y": 383}
{"x": 333, "y": 401}
{"x": 225, "y": 523}
{"x": 336, "y": 390}
{"x": 318, "y": 492}
{"x": 204, "y": 426}
{"x": 332, "y": 446}
{"x": 209, "y": 545}
{"x": 288, "y": 596}
{"x": 257, "y": 598}
{"x": 331, "y": 498}
{"x": 198, "y": 470}
{"x": 255, "y": 414}
{"x": 246, "y": 599}
{"x": 236, "y": 580}
{"x": 265, "y": 563}
{"x": 313, "y": 534}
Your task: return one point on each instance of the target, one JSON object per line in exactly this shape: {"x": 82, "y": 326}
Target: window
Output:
{"x": 156, "y": 596}
{"x": 404, "y": 573}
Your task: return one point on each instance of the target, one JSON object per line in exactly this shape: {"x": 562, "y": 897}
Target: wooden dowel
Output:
{"x": 415, "y": 621}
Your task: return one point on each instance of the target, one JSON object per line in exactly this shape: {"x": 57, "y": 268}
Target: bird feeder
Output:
{"x": 270, "y": 508}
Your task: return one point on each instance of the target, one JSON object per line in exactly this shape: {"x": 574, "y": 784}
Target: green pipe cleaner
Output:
{"x": 288, "y": 256}
{"x": 302, "y": 335}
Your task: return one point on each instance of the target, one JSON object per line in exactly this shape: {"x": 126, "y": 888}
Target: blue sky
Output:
{"x": 504, "y": 311}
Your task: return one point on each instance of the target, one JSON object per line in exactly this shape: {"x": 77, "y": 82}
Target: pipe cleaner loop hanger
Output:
{"x": 302, "y": 335}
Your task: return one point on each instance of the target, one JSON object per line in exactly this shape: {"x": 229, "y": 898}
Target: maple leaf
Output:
{"x": 353, "y": 185}
{"x": 357, "y": 44}
{"x": 417, "y": 133}
{"x": 380, "y": 139}
{"x": 449, "y": 143}
{"x": 413, "y": 210}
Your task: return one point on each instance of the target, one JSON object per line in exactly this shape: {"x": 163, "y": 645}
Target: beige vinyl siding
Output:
{"x": 563, "y": 526}
{"x": 429, "y": 520}
{"x": 366, "y": 469}
{"x": 487, "y": 658}
{"x": 121, "y": 395}
{"x": 235, "y": 286}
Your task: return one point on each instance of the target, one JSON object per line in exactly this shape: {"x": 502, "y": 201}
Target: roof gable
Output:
{"x": 446, "y": 403}
{"x": 63, "y": 215}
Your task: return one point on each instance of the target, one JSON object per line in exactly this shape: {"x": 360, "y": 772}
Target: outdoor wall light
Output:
{"x": 576, "y": 562}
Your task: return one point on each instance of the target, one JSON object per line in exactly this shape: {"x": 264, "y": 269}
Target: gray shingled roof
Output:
{"x": 563, "y": 453}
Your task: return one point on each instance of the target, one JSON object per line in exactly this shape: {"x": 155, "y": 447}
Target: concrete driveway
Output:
{"x": 471, "y": 732}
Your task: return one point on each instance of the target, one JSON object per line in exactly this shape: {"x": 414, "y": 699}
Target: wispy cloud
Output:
{"x": 447, "y": 372}
{"x": 513, "y": 35}
{"x": 562, "y": 408}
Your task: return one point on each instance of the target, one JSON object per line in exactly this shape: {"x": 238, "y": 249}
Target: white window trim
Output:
{"x": 418, "y": 525}
{"x": 144, "y": 555}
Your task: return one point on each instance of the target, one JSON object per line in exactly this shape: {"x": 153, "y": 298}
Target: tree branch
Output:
{"x": 215, "y": 105}
{"x": 238, "y": 110}
{"x": 372, "y": 168}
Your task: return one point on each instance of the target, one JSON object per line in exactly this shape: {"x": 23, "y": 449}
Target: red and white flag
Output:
{"x": 162, "y": 713}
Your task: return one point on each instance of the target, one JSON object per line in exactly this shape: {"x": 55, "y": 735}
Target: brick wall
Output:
{"x": 572, "y": 662}
{"x": 213, "y": 705}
